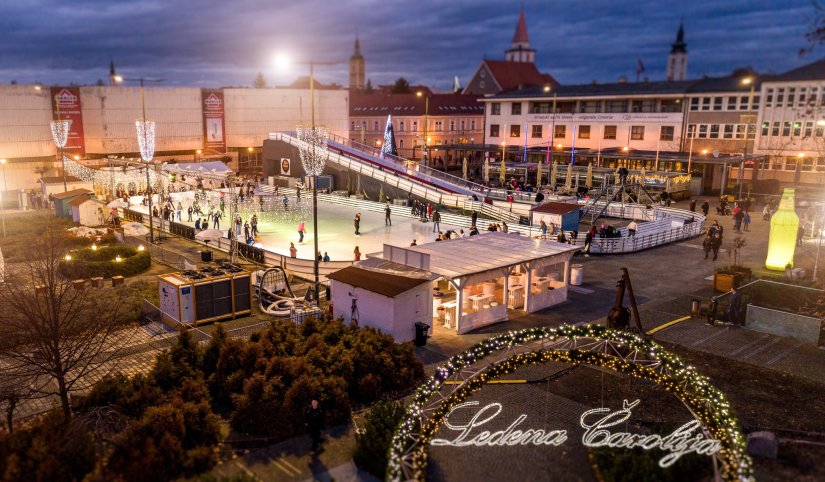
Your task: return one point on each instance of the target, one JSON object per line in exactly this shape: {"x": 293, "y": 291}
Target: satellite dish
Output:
{"x": 715, "y": 153}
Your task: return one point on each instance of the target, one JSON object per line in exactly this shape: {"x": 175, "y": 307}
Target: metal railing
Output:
{"x": 713, "y": 309}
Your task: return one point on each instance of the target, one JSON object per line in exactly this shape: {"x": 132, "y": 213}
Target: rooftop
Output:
{"x": 556, "y": 208}
{"x": 518, "y": 75}
{"x": 412, "y": 105}
{"x": 461, "y": 257}
{"x": 58, "y": 179}
{"x": 380, "y": 282}
{"x": 72, "y": 193}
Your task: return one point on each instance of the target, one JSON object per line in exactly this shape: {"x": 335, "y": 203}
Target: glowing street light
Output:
{"x": 704, "y": 152}
{"x": 420, "y": 94}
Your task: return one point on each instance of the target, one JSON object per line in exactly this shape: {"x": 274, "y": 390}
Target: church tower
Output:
{"x": 520, "y": 50}
{"x": 677, "y": 60}
{"x": 356, "y": 68}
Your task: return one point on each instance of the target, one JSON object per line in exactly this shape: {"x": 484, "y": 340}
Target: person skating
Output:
{"x": 631, "y": 229}
{"x": 746, "y": 221}
{"x": 216, "y": 219}
{"x": 315, "y": 421}
{"x": 246, "y": 230}
{"x": 588, "y": 240}
{"x": 254, "y": 225}
{"x": 357, "y": 254}
{"x": 293, "y": 251}
{"x": 357, "y": 223}
{"x": 301, "y": 230}
{"x": 543, "y": 229}
{"x": 238, "y": 225}
{"x": 387, "y": 214}
{"x": 325, "y": 259}
{"x": 436, "y": 221}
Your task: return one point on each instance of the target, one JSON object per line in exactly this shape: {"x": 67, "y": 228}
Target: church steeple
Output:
{"x": 112, "y": 72}
{"x": 356, "y": 67}
{"x": 677, "y": 60}
{"x": 520, "y": 50}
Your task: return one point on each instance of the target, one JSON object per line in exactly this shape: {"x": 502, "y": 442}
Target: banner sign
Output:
{"x": 285, "y": 166}
{"x": 66, "y": 106}
{"x": 213, "y": 121}
{"x": 607, "y": 117}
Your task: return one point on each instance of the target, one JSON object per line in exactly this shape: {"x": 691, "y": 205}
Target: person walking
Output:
{"x": 504, "y": 227}
{"x": 473, "y": 218}
{"x": 705, "y": 208}
{"x": 246, "y": 230}
{"x": 216, "y": 219}
{"x": 198, "y": 224}
{"x": 315, "y": 421}
{"x": 301, "y": 230}
{"x": 746, "y": 220}
{"x": 387, "y": 214}
{"x": 706, "y": 244}
{"x": 357, "y": 254}
{"x": 631, "y": 229}
{"x": 692, "y": 205}
{"x": 254, "y": 224}
{"x": 357, "y": 223}
{"x": 715, "y": 244}
{"x": 293, "y": 251}
{"x": 429, "y": 210}
{"x": 180, "y": 211}
{"x": 588, "y": 240}
{"x": 735, "y": 306}
{"x": 436, "y": 221}
{"x": 766, "y": 213}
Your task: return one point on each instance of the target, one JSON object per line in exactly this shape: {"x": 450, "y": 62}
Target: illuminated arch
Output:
{"x": 594, "y": 345}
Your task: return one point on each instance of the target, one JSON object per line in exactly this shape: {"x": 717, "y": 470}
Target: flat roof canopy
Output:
{"x": 459, "y": 258}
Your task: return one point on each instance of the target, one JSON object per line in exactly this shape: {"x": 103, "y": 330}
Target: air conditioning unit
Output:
{"x": 202, "y": 296}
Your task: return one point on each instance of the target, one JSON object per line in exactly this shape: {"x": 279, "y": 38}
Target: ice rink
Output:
{"x": 337, "y": 232}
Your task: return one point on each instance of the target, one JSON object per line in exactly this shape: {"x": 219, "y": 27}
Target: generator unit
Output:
{"x": 194, "y": 297}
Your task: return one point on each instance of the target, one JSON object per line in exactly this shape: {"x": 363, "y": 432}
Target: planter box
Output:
{"x": 723, "y": 282}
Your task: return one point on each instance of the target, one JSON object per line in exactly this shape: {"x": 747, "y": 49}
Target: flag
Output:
{"x": 456, "y": 85}
{"x": 640, "y": 67}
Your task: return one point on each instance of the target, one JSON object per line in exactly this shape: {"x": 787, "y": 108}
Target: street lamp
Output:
{"x": 146, "y": 143}
{"x": 426, "y": 121}
{"x": 751, "y": 82}
{"x": 312, "y": 162}
{"x": 5, "y": 190}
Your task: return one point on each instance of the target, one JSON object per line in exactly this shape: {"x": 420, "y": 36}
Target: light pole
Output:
{"x": 426, "y": 121}
{"x": 747, "y": 81}
{"x": 315, "y": 164}
{"x": 5, "y": 190}
{"x": 146, "y": 142}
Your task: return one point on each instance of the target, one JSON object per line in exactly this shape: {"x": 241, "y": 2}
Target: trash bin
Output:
{"x": 206, "y": 256}
{"x": 695, "y": 307}
{"x": 576, "y": 274}
{"x": 421, "y": 333}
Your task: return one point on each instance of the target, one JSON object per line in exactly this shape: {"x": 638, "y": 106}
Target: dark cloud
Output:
{"x": 212, "y": 43}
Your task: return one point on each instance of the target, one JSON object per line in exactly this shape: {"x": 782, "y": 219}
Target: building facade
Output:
{"x": 430, "y": 120}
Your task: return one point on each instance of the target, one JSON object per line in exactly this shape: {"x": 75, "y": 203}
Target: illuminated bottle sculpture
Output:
{"x": 782, "y": 241}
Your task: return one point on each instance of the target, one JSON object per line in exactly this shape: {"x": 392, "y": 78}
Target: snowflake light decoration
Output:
{"x": 60, "y": 132}
{"x": 146, "y": 139}
{"x": 313, "y": 149}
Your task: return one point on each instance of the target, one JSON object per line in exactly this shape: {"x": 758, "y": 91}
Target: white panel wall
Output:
{"x": 109, "y": 115}
{"x": 251, "y": 114}
{"x": 25, "y": 114}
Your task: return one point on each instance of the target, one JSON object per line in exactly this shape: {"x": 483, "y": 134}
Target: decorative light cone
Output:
{"x": 642, "y": 177}
{"x": 487, "y": 170}
{"x": 464, "y": 167}
{"x": 389, "y": 147}
{"x": 784, "y": 228}
{"x": 538, "y": 175}
{"x": 589, "y": 180}
{"x": 568, "y": 182}
{"x": 146, "y": 139}
{"x": 60, "y": 132}
{"x": 313, "y": 149}
{"x": 502, "y": 174}
{"x": 553, "y": 170}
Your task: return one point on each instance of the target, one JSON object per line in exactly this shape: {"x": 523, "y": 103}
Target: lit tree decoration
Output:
{"x": 594, "y": 345}
{"x": 146, "y": 139}
{"x": 389, "y": 140}
{"x": 313, "y": 149}
{"x": 60, "y": 132}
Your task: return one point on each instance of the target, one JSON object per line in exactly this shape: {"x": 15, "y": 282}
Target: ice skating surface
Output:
{"x": 337, "y": 233}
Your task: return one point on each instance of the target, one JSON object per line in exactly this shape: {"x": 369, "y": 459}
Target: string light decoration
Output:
{"x": 103, "y": 179}
{"x": 389, "y": 148}
{"x": 313, "y": 148}
{"x": 594, "y": 345}
{"x": 60, "y": 132}
{"x": 146, "y": 139}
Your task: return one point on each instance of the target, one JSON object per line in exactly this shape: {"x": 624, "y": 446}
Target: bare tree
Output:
{"x": 259, "y": 82}
{"x": 51, "y": 332}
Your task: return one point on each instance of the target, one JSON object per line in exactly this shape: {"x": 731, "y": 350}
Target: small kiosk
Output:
{"x": 563, "y": 215}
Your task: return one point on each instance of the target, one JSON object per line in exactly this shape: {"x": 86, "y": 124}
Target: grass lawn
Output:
{"x": 22, "y": 228}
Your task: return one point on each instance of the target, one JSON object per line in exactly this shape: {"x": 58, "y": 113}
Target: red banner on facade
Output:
{"x": 66, "y": 106}
{"x": 213, "y": 123}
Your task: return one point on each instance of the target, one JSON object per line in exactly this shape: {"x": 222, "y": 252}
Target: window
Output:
{"x": 375, "y": 126}
{"x": 807, "y": 164}
{"x": 740, "y": 131}
{"x": 495, "y": 108}
{"x": 671, "y": 105}
{"x": 541, "y": 108}
{"x": 731, "y": 103}
{"x": 516, "y": 108}
{"x": 797, "y": 129}
{"x": 515, "y": 130}
{"x": 714, "y": 131}
{"x": 775, "y": 129}
{"x": 452, "y": 125}
{"x": 401, "y": 126}
{"x": 820, "y": 130}
{"x": 769, "y": 97}
{"x": 472, "y": 125}
{"x": 765, "y": 127}
{"x": 462, "y": 125}
{"x": 647, "y": 105}
{"x": 694, "y": 103}
{"x": 401, "y": 143}
{"x": 728, "y": 132}
{"x": 666, "y": 133}
{"x": 809, "y": 128}
{"x": 354, "y": 126}
{"x": 790, "y": 163}
{"x": 691, "y": 130}
{"x": 791, "y": 96}
{"x": 755, "y": 102}
{"x": 494, "y": 130}
{"x": 560, "y": 132}
{"x": 439, "y": 126}
{"x": 615, "y": 106}
{"x": 590, "y": 106}
{"x": 743, "y": 102}
{"x": 703, "y": 131}
{"x": 717, "y": 103}
{"x": 537, "y": 131}
{"x": 705, "y": 103}
{"x": 637, "y": 133}
{"x": 609, "y": 132}
{"x": 584, "y": 132}
{"x": 780, "y": 97}
{"x": 786, "y": 129}
{"x": 415, "y": 126}
{"x": 751, "y": 131}
{"x": 803, "y": 91}
{"x": 814, "y": 93}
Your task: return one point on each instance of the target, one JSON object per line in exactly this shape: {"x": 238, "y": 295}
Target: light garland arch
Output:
{"x": 621, "y": 352}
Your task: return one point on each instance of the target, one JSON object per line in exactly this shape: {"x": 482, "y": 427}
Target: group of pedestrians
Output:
{"x": 713, "y": 240}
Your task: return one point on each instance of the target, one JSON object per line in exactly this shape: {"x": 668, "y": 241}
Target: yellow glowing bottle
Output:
{"x": 784, "y": 226}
